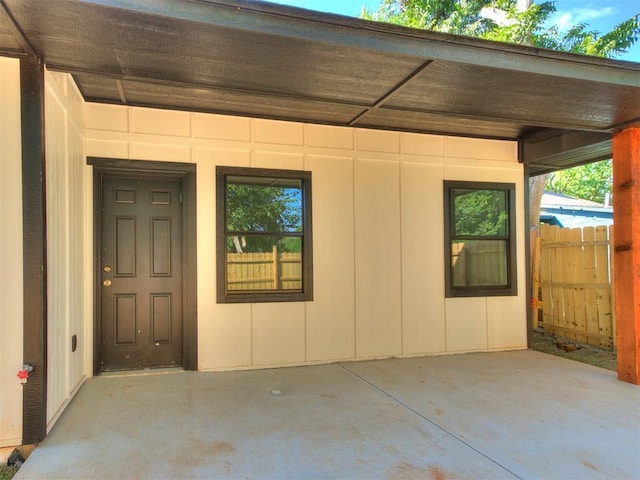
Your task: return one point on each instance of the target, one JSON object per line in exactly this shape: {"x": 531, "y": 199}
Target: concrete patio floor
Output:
{"x": 478, "y": 416}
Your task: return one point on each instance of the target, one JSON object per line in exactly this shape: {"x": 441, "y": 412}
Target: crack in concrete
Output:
{"x": 428, "y": 420}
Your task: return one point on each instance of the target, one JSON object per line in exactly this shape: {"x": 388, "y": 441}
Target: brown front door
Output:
{"x": 140, "y": 273}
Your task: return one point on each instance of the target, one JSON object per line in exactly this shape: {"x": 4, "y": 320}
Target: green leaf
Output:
{"x": 463, "y": 17}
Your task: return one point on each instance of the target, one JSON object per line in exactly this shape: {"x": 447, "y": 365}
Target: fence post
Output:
{"x": 276, "y": 272}
{"x": 535, "y": 284}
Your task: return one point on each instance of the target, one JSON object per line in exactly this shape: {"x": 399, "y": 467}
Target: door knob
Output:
{"x": 107, "y": 283}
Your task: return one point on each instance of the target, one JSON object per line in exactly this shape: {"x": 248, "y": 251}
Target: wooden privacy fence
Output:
{"x": 479, "y": 263}
{"x": 264, "y": 271}
{"x": 575, "y": 284}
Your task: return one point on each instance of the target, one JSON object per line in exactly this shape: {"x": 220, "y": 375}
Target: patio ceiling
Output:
{"x": 257, "y": 59}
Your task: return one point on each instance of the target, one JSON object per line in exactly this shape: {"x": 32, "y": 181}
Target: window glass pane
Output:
{"x": 479, "y": 263}
{"x": 479, "y": 212}
{"x": 263, "y": 204}
{"x": 264, "y": 243}
{"x": 264, "y": 263}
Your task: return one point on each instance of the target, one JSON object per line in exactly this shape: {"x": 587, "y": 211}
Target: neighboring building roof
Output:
{"x": 571, "y": 212}
{"x": 555, "y": 199}
{"x": 258, "y": 59}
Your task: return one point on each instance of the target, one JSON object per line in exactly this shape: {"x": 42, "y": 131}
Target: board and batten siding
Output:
{"x": 11, "y": 279}
{"x": 378, "y": 236}
{"x": 69, "y": 244}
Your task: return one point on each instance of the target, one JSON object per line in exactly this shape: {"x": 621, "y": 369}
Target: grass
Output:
{"x": 6, "y": 472}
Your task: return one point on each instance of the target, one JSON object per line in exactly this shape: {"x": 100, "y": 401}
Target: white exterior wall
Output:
{"x": 69, "y": 243}
{"x": 378, "y": 236}
{"x": 10, "y": 254}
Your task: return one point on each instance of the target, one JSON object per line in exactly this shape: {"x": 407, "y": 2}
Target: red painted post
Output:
{"x": 626, "y": 228}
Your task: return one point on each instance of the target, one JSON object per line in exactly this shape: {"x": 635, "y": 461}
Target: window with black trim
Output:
{"x": 480, "y": 242}
{"x": 264, "y": 236}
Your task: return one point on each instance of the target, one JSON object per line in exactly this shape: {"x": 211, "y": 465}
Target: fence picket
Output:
{"x": 557, "y": 277}
{"x": 589, "y": 265}
{"x": 577, "y": 256}
{"x": 546, "y": 260}
{"x": 568, "y": 267}
{"x": 604, "y": 295}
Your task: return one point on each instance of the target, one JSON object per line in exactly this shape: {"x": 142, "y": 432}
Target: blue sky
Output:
{"x": 600, "y": 15}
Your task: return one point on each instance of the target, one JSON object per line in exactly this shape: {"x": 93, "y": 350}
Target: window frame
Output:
{"x": 259, "y": 296}
{"x": 511, "y": 288}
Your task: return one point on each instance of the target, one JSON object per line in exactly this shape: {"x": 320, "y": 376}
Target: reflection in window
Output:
{"x": 480, "y": 244}
{"x": 266, "y": 243}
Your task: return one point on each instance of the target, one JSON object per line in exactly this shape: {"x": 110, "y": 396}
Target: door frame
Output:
{"x": 143, "y": 169}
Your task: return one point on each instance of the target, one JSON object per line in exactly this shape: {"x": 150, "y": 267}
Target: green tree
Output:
{"x": 451, "y": 16}
{"x": 590, "y": 182}
{"x": 513, "y": 21}
{"x": 258, "y": 215}
{"x": 480, "y": 213}
{"x": 256, "y": 208}
{"x": 507, "y": 21}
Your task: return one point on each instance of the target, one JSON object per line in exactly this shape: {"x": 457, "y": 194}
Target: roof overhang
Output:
{"x": 257, "y": 59}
